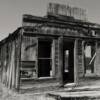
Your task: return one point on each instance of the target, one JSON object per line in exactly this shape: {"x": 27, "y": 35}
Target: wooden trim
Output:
{"x": 46, "y": 58}
{"x": 95, "y": 62}
{"x": 60, "y": 69}
{"x": 37, "y": 59}
{"x": 83, "y": 55}
{"x": 53, "y": 58}
{"x": 59, "y": 35}
{"x": 31, "y": 19}
{"x": 76, "y": 62}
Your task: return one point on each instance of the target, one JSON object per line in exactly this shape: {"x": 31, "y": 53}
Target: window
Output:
{"x": 44, "y": 59}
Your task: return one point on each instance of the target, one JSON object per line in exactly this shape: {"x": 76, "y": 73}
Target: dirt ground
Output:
{"x": 6, "y": 94}
{"x": 89, "y": 89}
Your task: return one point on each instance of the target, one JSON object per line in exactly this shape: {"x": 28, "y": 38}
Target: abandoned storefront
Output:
{"x": 50, "y": 51}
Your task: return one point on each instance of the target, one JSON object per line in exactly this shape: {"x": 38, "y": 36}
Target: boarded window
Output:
{"x": 29, "y": 46}
{"x": 28, "y": 57}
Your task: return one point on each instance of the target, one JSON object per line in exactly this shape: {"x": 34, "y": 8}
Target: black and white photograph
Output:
{"x": 49, "y": 49}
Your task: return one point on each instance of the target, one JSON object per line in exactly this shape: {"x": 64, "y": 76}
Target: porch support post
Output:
{"x": 76, "y": 62}
{"x": 60, "y": 70}
{"x": 95, "y": 61}
{"x": 83, "y": 57}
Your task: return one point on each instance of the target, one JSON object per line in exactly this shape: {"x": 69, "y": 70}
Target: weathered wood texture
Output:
{"x": 83, "y": 57}
{"x": 66, "y": 11}
{"x": 21, "y": 53}
{"x": 29, "y": 55}
{"x": 60, "y": 67}
{"x": 38, "y": 23}
{"x": 97, "y": 59}
{"x": 56, "y": 58}
{"x": 29, "y": 46}
{"x": 76, "y": 61}
{"x": 18, "y": 63}
{"x": 10, "y": 62}
{"x": 80, "y": 59}
{"x": 30, "y": 52}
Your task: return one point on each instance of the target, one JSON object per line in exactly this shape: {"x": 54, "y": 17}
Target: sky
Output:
{"x": 11, "y": 11}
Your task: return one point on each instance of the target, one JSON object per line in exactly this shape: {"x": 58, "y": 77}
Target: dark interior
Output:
{"x": 68, "y": 60}
{"x": 44, "y": 58}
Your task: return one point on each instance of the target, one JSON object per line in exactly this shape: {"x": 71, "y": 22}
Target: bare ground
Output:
{"x": 88, "y": 89}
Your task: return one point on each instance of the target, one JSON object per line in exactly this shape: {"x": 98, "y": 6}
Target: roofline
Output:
{"x": 13, "y": 34}
{"x": 87, "y": 24}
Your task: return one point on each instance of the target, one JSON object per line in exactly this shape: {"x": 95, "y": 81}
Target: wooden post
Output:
{"x": 76, "y": 61}
{"x": 53, "y": 58}
{"x": 95, "y": 62}
{"x": 83, "y": 55}
{"x": 93, "y": 54}
{"x": 61, "y": 72}
{"x": 37, "y": 74}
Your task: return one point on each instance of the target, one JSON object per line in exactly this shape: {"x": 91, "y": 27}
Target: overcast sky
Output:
{"x": 11, "y": 11}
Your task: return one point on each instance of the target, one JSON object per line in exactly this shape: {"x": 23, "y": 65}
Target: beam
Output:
{"x": 58, "y": 35}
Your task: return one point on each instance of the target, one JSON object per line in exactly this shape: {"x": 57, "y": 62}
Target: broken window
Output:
{"x": 89, "y": 57}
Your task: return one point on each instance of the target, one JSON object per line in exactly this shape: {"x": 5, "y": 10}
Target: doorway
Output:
{"x": 68, "y": 61}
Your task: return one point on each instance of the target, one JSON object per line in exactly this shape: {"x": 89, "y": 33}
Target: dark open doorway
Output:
{"x": 68, "y": 60}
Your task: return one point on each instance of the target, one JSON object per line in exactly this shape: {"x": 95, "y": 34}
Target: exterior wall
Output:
{"x": 56, "y": 43}
{"x": 78, "y": 53}
{"x": 80, "y": 59}
{"x": 17, "y": 53}
{"x": 9, "y": 63}
{"x": 29, "y": 55}
{"x": 9, "y": 59}
{"x": 97, "y": 59}
{"x": 29, "y": 59}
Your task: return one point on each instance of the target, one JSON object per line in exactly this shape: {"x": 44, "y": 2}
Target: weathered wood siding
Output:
{"x": 8, "y": 63}
{"x": 29, "y": 51}
{"x": 10, "y": 56}
{"x": 80, "y": 59}
{"x": 56, "y": 60}
{"x": 60, "y": 66}
{"x": 29, "y": 54}
{"x": 29, "y": 48}
{"x": 97, "y": 59}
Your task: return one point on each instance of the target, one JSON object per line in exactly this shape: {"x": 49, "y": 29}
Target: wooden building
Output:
{"x": 50, "y": 50}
